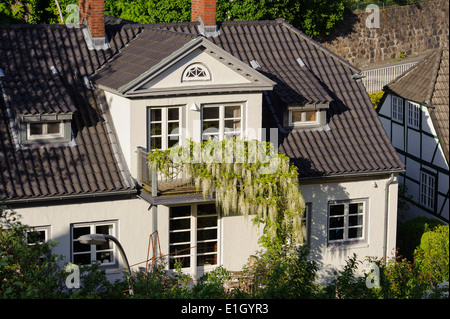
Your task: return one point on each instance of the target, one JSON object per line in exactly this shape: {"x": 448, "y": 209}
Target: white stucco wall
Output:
{"x": 134, "y": 225}
{"x": 332, "y": 256}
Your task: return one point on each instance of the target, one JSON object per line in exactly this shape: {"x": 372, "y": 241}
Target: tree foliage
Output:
{"x": 314, "y": 17}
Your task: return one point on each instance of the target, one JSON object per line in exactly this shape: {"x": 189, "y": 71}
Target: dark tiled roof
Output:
{"x": 90, "y": 163}
{"x": 131, "y": 63}
{"x": 428, "y": 82}
{"x": 356, "y": 141}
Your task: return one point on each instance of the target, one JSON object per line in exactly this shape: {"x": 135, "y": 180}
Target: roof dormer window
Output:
{"x": 196, "y": 72}
{"x": 44, "y": 129}
{"x": 306, "y": 116}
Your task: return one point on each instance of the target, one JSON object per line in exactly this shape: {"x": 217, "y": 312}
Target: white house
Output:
{"x": 415, "y": 113}
{"x": 78, "y": 109}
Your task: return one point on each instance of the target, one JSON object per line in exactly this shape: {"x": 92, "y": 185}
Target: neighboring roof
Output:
{"x": 428, "y": 83}
{"x": 355, "y": 141}
{"x": 91, "y": 164}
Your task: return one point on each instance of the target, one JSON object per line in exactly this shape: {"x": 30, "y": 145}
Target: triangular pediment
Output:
{"x": 200, "y": 67}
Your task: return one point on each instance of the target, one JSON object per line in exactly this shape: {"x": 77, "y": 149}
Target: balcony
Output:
{"x": 158, "y": 188}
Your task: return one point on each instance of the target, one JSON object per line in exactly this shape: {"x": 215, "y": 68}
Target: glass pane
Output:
{"x": 173, "y": 128}
{"x": 79, "y": 247}
{"x": 53, "y": 128}
{"x": 173, "y": 114}
{"x": 336, "y": 222}
{"x": 336, "y": 210}
{"x": 211, "y": 112}
{"x": 336, "y": 234}
{"x": 206, "y": 209}
{"x": 104, "y": 257}
{"x": 206, "y": 234}
{"x": 210, "y": 137}
{"x": 173, "y": 140}
{"x": 232, "y": 125}
{"x": 36, "y": 129}
{"x": 207, "y": 222}
{"x": 355, "y": 220}
{"x": 36, "y": 237}
{"x": 104, "y": 229}
{"x": 180, "y": 237}
{"x": 180, "y": 249}
{"x": 155, "y": 129}
{"x": 296, "y": 116}
{"x": 82, "y": 259}
{"x": 355, "y": 232}
{"x": 178, "y": 224}
{"x": 232, "y": 111}
{"x": 232, "y": 135}
{"x": 355, "y": 208}
{"x": 155, "y": 115}
{"x": 155, "y": 142}
{"x": 207, "y": 260}
{"x": 185, "y": 262}
{"x": 209, "y": 247}
{"x": 310, "y": 116}
{"x": 210, "y": 126}
{"x": 180, "y": 211}
{"x": 79, "y": 231}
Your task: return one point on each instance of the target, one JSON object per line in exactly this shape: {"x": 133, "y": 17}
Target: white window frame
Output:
{"x": 346, "y": 222}
{"x": 413, "y": 114}
{"x": 165, "y": 134}
{"x": 93, "y": 249}
{"x": 222, "y": 131}
{"x": 427, "y": 196}
{"x": 44, "y": 134}
{"x": 40, "y": 229}
{"x": 303, "y": 122}
{"x": 193, "y": 253}
{"x": 397, "y": 109}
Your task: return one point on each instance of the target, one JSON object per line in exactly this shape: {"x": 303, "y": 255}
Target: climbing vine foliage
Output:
{"x": 248, "y": 178}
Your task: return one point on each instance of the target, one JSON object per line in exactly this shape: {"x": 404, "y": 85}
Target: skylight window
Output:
{"x": 196, "y": 72}
{"x": 44, "y": 128}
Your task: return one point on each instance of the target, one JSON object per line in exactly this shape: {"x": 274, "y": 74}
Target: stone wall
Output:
{"x": 412, "y": 29}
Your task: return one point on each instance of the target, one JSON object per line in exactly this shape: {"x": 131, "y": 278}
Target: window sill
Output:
{"x": 347, "y": 244}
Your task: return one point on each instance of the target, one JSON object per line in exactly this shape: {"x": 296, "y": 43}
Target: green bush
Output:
{"x": 410, "y": 232}
{"x": 432, "y": 256}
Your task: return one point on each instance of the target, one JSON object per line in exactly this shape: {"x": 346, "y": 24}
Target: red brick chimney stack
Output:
{"x": 206, "y": 10}
{"x": 93, "y": 11}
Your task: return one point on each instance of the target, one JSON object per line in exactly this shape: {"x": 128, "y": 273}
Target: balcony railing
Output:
{"x": 159, "y": 184}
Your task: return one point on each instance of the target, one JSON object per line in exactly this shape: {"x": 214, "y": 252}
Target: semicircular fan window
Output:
{"x": 196, "y": 72}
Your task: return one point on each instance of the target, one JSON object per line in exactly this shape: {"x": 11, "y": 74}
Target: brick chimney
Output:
{"x": 205, "y": 12}
{"x": 92, "y": 13}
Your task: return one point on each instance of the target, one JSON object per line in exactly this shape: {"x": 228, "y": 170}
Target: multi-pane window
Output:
{"x": 164, "y": 127}
{"x": 193, "y": 233}
{"x": 397, "y": 109}
{"x": 346, "y": 221}
{"x": 221, "y": 122}
{"x": 86, "y": 254}
{"x": 44, "y": 130}
{"x": 413, "y": 114}
{"x": 427, "y": 190}
{"x": 299, "y": 117}
{"x": 38, "y": 235}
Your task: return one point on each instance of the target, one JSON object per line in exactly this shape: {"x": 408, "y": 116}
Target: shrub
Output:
{"x": 432, "y": 256}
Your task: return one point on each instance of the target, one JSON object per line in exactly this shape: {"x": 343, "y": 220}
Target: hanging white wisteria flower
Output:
{"x": 263, "y": 185}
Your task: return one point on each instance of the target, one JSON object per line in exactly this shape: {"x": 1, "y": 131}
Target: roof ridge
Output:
{"x": 436, "y": 68}
{"x": 169, "y": 32}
